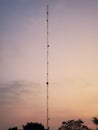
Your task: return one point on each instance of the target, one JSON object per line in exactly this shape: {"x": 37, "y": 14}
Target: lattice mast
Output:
{"x": 47, "y": 82}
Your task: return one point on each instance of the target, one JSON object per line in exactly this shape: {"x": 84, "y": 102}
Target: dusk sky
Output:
{"x": 73, "y": 57}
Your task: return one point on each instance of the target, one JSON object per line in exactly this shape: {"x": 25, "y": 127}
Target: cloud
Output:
{"x": 18, "y": 99}
{"x": 17, "y": 91}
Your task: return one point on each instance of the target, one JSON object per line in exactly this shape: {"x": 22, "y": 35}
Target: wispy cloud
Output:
{"x": 16, "y": 90}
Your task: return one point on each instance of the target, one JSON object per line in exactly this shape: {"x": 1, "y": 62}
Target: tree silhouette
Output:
{"x": 33, "y": 126}
{"x": 95, "y": 120}
{"x": 14, "y": 128}
{"x": 73, "y": 125}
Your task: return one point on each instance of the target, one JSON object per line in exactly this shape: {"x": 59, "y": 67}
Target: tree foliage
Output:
{"x": 73, "y": 125}
{"x": 33, "y": 126}
{"x": 14, "y": 128}
{"x": 95, "y": 120}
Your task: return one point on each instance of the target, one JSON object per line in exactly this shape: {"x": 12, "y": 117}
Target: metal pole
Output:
{"x": 47, "y": 83}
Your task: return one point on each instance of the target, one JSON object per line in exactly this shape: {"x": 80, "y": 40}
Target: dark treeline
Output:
{"x": 30, "y": 126}
{"x": 66, "y": 125}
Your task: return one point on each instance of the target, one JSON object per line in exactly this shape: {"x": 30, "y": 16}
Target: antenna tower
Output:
{"x": 47, "y": 82}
